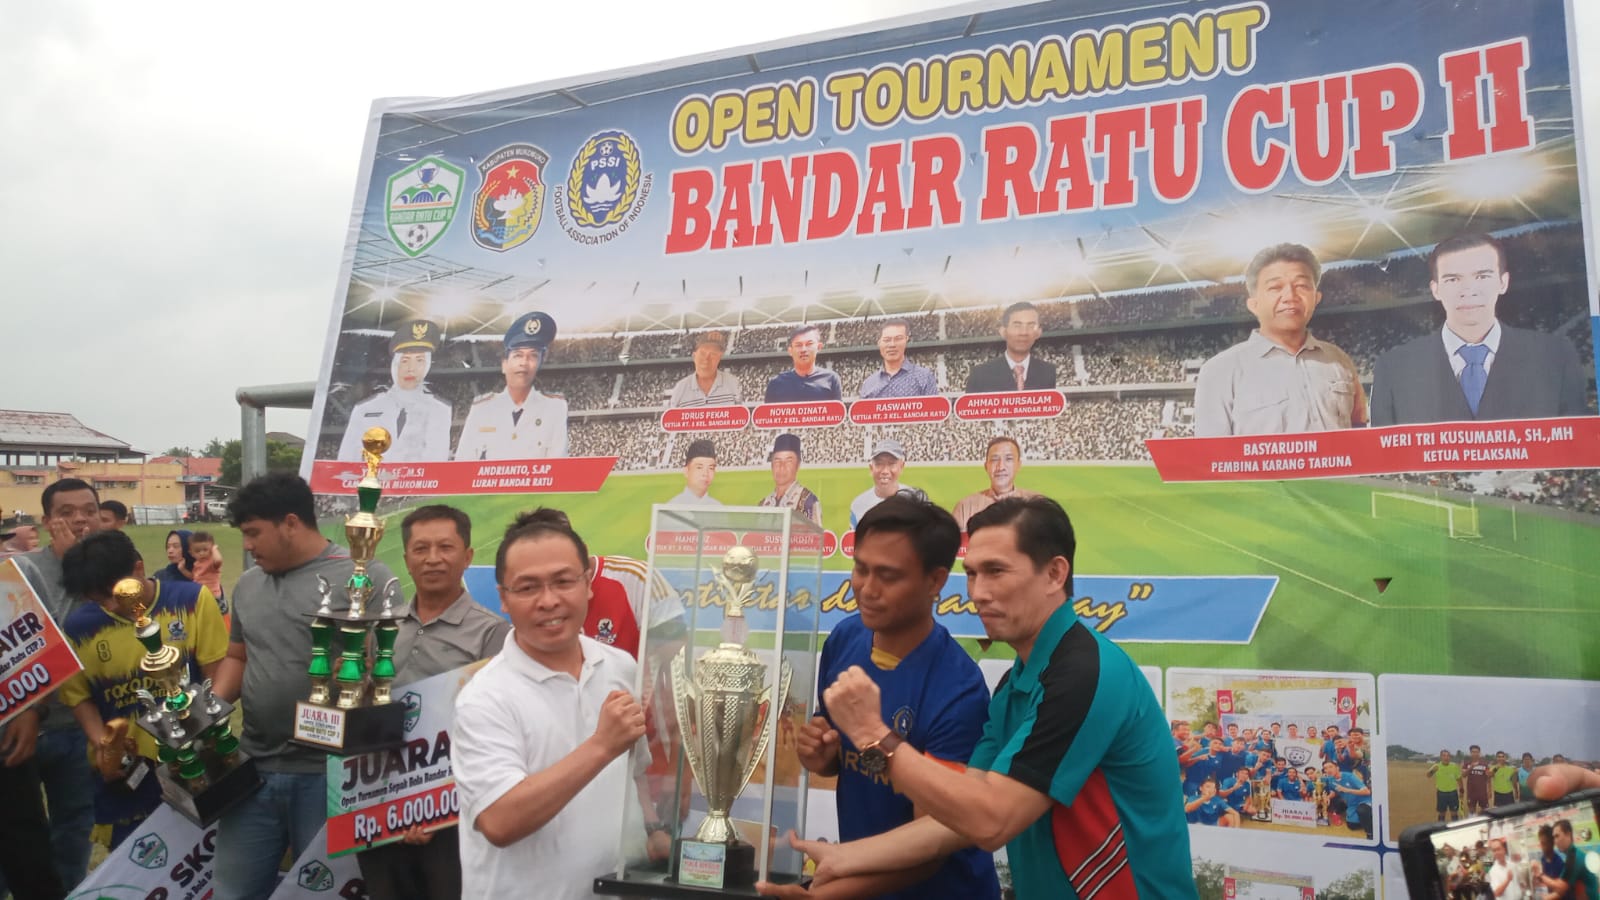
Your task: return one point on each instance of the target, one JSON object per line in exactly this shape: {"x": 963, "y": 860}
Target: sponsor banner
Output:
{"x": 1188, "y": 609}
{"x": 316, "y": 875}
{"x": 1569, "y": 443}
{"x": 1019, "y": 405}
{"x": 374, "y": 798}
{"x": 575, "y": 475}
{"x": 167, "y": 857}
{"x": 34, "y": 656}
{"x": 903, "y": 410}
{"x": 706, "y": 418}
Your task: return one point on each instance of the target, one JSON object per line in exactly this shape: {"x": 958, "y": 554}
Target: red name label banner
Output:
{"x": 899, "y": 410}
{"x": 1568, "y": 443}
{"x": 688, "y": 543}
{"x": 583, "y": 474}
{"x": 765, "y": 543}
{"x": 824, "y": 414}
{"x": 1018, "y": 405}
{"x": 707, "y": 418}
{"x": 34, "y": 656}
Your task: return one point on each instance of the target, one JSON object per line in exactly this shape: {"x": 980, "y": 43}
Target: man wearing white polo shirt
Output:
{"x": 547, "y": 736}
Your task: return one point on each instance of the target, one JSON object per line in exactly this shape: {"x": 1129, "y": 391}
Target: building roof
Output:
{"x": 194, "y": 465}
{"x": 24, "y": 431}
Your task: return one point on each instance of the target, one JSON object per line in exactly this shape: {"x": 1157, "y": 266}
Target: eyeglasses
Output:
{"x": 532, "y": 590}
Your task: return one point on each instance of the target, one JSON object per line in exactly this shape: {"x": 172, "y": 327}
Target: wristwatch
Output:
{"x": 875, "y": 756}
{"x": 653, "y": 827}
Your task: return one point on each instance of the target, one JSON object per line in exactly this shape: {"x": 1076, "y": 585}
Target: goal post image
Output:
{"x": 1458, "y": 519}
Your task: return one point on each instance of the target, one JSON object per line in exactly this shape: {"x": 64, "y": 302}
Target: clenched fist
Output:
{"x": 621, "y": 723}
{"x": 818, "y": 747}
{"x": 855, "y": 706}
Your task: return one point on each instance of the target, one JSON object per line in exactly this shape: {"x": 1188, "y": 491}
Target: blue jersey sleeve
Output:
{"x": 956, "y": 730}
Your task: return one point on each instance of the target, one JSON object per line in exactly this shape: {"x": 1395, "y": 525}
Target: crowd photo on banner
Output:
{"x": 1048, "y": 451}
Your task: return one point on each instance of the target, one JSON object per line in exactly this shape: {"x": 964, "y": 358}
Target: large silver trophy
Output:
{"x": 202, "y": 771}
{"x": 725, "y": 712}
{"x": 350, "y": 709}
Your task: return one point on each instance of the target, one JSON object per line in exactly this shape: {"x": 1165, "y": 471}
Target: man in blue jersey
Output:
{"x": 938, "y": 700}
{"x": 1074, "y": 775}
{"x": 1206, "y": 808}
{"x": 1236, "y": 790}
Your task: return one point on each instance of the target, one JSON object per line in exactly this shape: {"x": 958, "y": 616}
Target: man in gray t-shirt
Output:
{"x": 268, "y": 653}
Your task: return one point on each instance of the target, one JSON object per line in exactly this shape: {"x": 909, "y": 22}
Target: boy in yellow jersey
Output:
{"x": 103, "y": 637}
{"x": 1446, "y": 777}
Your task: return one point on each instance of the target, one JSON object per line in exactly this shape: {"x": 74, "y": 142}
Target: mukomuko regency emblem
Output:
{"x": 510, "y": 201}
{"x": 149, "y": 851}
{"x": 421, "y": 201}
{"x": 605, "y": 190}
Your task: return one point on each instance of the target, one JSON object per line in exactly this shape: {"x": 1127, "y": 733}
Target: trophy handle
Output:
{"x": 685, "y": 696}
{"x": 770, "y": 700}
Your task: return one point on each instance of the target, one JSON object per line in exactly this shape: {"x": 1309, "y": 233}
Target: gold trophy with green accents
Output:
{"x": 202, "y": 771}
{"x": 350, "y": 709}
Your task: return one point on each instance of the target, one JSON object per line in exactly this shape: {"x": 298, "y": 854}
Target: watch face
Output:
{"x": 873, "y": 762}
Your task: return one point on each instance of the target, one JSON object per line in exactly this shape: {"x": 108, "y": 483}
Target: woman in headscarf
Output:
{"x": 180, "y": 564}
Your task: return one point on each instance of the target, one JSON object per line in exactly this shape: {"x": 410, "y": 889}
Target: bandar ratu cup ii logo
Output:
{"x": 510, "y": 201}
{"x": 605, "y": 190}
{"x": 421, "y": 202}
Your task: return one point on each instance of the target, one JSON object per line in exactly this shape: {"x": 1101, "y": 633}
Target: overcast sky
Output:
{"x": 180, "y": 174}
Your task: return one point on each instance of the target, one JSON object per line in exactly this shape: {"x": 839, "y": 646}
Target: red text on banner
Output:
{"x": 1569, "y": 443}
{"x": 706, "y": 418}
{"x": 1018, "y": 405}
{"x": 825, "y": 414}
{"x": 569, "y": 475}
{"x": 899, "y": 410}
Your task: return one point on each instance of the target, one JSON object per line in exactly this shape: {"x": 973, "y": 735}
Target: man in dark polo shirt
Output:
{"x": 1074, "y": 774}
{"x": 268, "y": 652}
{"x": 807, "y": 380}
{"x": 443, "y": 630}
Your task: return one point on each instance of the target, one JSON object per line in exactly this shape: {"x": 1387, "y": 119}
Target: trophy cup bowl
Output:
{"x": 725, "y": 710}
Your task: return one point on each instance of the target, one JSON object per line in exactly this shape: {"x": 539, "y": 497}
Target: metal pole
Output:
{"x": 253, "y": 404}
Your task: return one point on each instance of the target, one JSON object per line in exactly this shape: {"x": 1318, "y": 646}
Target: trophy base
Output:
{"x": 207, "y": 807}
{"x": 655, "y": 881}
{"x": 349, "y": 732}
{"x": 714, "y": 865}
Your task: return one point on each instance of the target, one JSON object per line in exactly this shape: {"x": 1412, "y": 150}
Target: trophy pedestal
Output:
{"x": 349, "y": 732}
{"x": 225, "y": 790}
{"x": 656, "y": 882}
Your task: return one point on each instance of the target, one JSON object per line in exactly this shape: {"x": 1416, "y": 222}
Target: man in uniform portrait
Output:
{"x": 518, "y": 422}
{"x": 417, "y": 421}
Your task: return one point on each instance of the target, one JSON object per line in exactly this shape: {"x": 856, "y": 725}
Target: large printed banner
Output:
{"x": 34, "y": 656}
{"x": 1288, "y": 303}
{"x": 376, "y": 798}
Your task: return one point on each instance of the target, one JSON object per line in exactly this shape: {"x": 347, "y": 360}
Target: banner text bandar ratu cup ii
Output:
{"x": 797, "y": 259}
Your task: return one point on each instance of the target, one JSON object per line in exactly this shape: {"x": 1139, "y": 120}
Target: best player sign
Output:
{"x": 34, "y": 657}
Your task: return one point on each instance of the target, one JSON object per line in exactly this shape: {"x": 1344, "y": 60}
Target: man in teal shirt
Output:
{"x": 1074, "y": 774}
